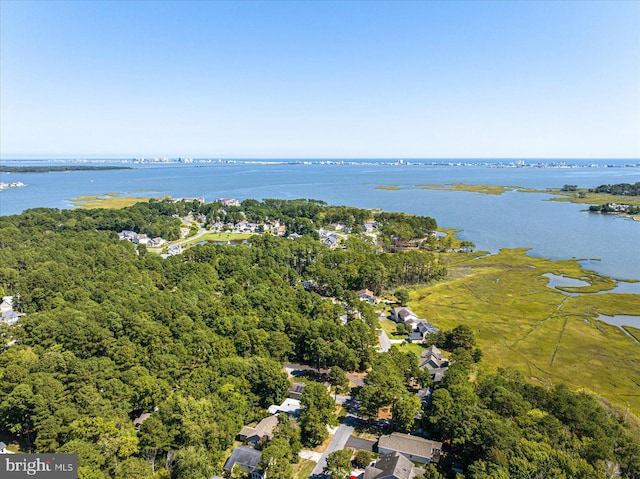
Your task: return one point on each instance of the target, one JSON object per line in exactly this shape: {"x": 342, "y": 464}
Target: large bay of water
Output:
{"x": 609, "y": 244}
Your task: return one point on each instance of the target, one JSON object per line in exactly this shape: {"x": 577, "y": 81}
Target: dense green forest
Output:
{"x": 622, "y": 189}
{"x": 198, "y": 339}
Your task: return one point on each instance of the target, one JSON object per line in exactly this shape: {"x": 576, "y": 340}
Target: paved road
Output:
{"x": 340, "y": 438}
{"x": 385, "y": 343}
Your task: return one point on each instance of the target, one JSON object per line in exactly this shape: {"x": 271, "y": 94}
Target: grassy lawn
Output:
{"x": 635, "y": 332}
{"x": 225, "y": 236}
{"x": 548, "y": 335}
{"x": 303, "y": 469}
{"x": 414, "y": 348}
{"x": 388, "y": 326}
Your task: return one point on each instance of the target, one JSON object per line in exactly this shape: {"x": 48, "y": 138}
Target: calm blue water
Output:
{"x": 611, "y": 245}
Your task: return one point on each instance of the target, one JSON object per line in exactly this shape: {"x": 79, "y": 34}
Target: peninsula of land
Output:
{"x": 621, "y": 199}
{"x": 58, "y": 168}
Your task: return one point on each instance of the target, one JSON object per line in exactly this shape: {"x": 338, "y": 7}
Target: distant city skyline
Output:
{"x": 421, "y": 80}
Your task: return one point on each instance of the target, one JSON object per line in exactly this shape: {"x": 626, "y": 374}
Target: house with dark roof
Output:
{"x": 295, "y": 391}
{"x": 422, "y": 328}
{"x": 247, "y": 459}
{"x": 431, "y": 358}
{"x": 263, "y": 431}
{"x": 414, "y": 448}
{"x": 390, "y": 466}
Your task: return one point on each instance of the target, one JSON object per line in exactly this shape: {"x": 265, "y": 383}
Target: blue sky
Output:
{"x": 320, "y": 79}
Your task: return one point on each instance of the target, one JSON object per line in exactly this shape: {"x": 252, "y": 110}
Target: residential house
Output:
{"x": 431, "y": 358}
{"x": 422, "y": 328}
{"x": 295, "y": 391}
{"x": 174, "y": 249}
{"x": 370, "y": 226}
{"x": 404, "y": 315}
{"x": 3, "y": 448}
{"x": 141, "y": 239}
{"x": 390, "y": 466}
{"x": 413, "y": 448}
{"x": 155, "y": 242}
{"x": 263, "y": 431}
{"x": 247, "y": 459}
{"x": 289, "y": 406}
{"x": 127, "y": 235}
{"x": 424, "y": 395}
{"x": 330, "y": 240}
{"x": 227, "y": 201}
{"x": 9, "y": 317}
{"x": 188, "y": 200}
{"x": 367, "y": 295}
{"x": 137, "y": 422}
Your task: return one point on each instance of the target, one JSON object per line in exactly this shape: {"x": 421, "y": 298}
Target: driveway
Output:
{"x": 385, "y": 343}
{"x": 340, "y": 438}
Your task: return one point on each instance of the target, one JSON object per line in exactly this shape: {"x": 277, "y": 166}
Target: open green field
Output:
{"x": 219, "y": 237}
{"x": 548, "y": 334}
{"x": 107, "y": 200}
{"x": 635, "y": 332}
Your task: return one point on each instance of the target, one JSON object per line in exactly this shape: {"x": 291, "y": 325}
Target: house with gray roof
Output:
{"x": 431, "y": 358}
{"x": 422, "y": 328}
{"x": 390, "y": 466}
{"x": 9, "y": 317}
{"x": 247, "y": 459}
{"x": 3, "y": 448}
{"x": 263, "y": 431}
{"x": 414, "y": 448}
